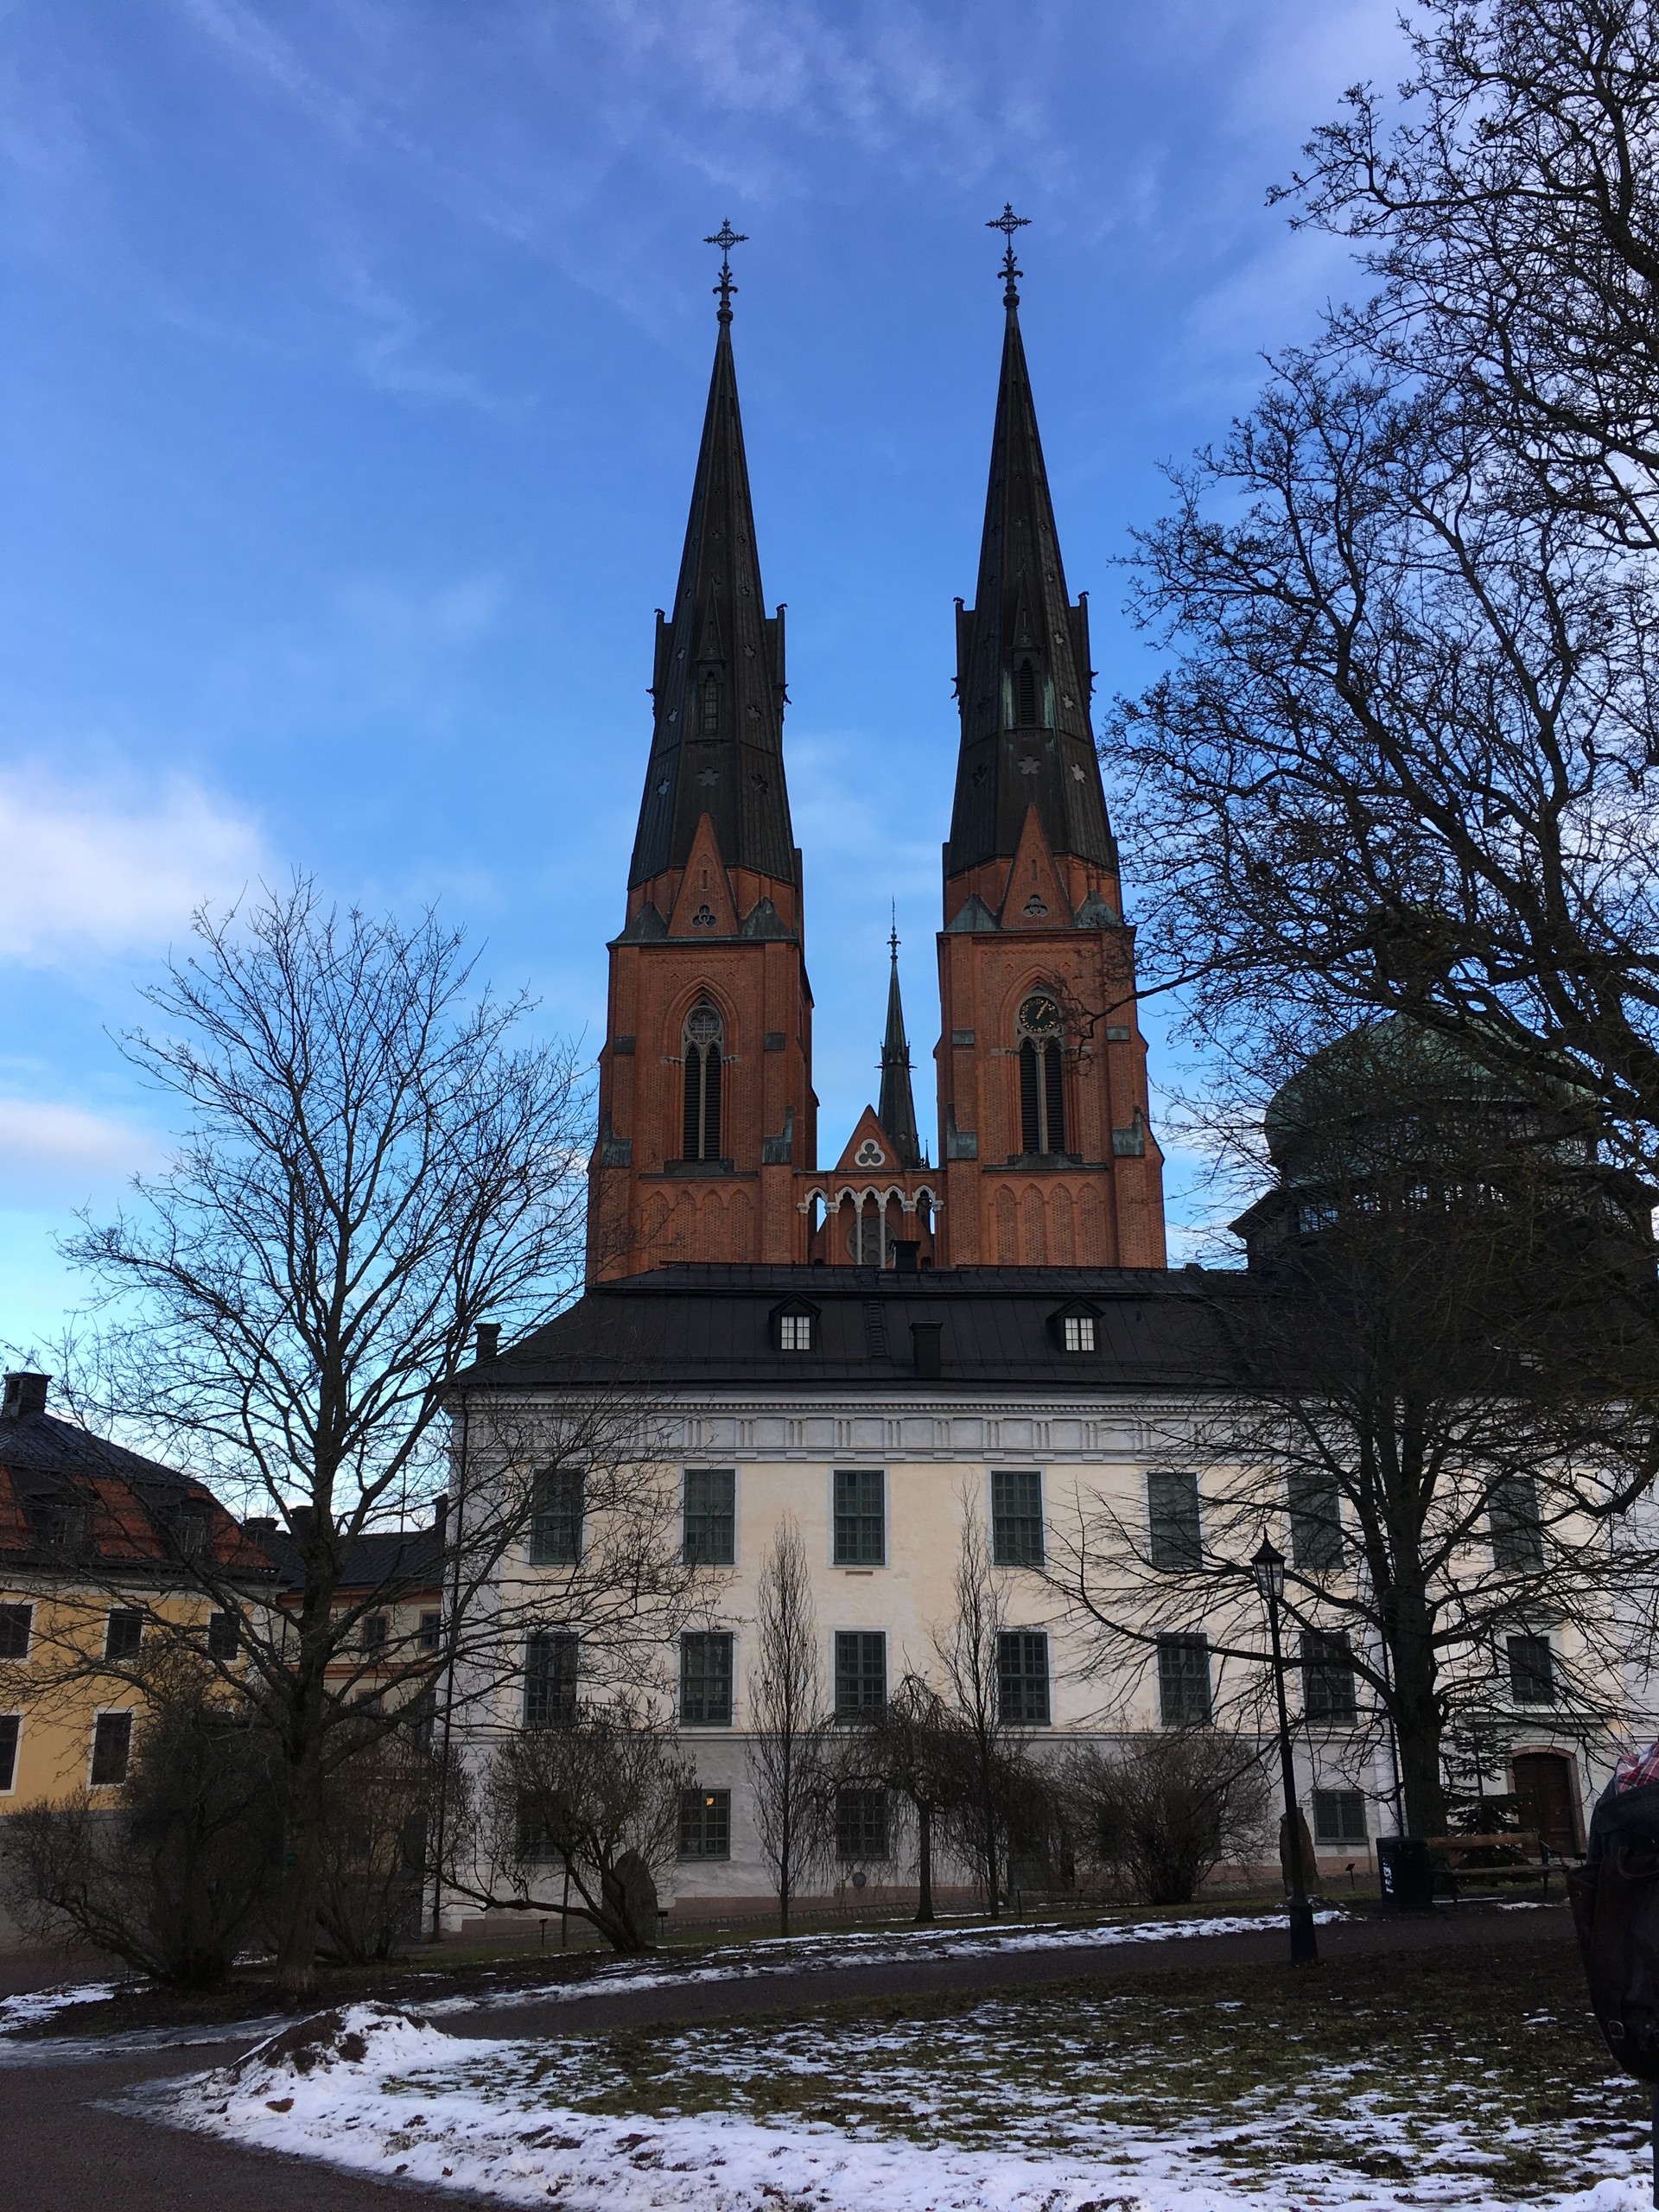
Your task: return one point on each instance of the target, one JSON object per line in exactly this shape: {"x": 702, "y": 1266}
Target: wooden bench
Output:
{"x": 1451, "y": 1854}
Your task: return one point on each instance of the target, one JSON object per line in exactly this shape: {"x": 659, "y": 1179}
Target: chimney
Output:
{"x": 440, "y": 1518}
{"x": 924, "y": 1343}
{"x": 299, "y": 1518}
{"x": 903, "y": 1255}
{"x": 264, "y": 1525}
{"x": 25, "y": 1394}
{"x": 486, "y": 1341}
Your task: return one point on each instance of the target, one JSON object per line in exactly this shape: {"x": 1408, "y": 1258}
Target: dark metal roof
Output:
{"x": 1023, "y": 746}
{"x": 718, "y": 745}
{"x": 397, "y": 1560}
{"x": 686, "y": 1328}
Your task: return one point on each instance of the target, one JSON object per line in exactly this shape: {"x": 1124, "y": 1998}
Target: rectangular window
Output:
{"x": 1327, "y": 1676}
{"x": 15, "y": 1622}
{"x": 795, "y": 1332}
{"x": 1338, "y": 1816}
{"x": 1315, "y": 1519}
{"x": 1079, "y": 1331}
{"x": 1016, "y": 1517}
{"x": 550, "y": 1660}
{"x": 112, "y": 1749}
{"x": 1172, "y": 1517}
{"x": 431, "y": 1632}
{"x": 1182, "y": 1680}
{"x": 861, "y": 1672}
{"x": 123, "y": 1632}
{"x": 710, "y": 1521}
{"x": 1516, "y": 1527}
{"x": 861, "y": 1824}
{"x": 224, "y": 1636}
{"x": 555, "y": 1517}
{"x": 705, "y": 1824}
{"x": 1022, "y": 1677}
{"x": 12, "y": 1725}
{"x": 860, "y": 1521}
{"x": 706, "y": 1681}
{"x": 376, "y": 1628}
{"x": 1532, "y": 1670}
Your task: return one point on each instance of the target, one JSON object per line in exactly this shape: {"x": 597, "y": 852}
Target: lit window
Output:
{"x": 1079, "y": 1332}
{"x": 705, "y": 1824}
{"x": 795, "y": 1331}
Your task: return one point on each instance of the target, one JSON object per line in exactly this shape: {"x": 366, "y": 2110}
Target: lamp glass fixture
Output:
{"x": 1269, "y": 1569}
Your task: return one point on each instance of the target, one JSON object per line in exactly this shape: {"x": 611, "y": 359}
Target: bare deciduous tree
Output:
{"x": 988, "y": 1746}
{"x": 595, "y": 1796}
{"x": 789, "y": 1721}
{"x": 371, "y": 1167}
{"x": 1165, "y": 1810}
{"x": 911, "y": 1748}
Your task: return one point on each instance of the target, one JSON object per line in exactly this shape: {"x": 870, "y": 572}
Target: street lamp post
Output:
{"x": 1269, "y": 1569}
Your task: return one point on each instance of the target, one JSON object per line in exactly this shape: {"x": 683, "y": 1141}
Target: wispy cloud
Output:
{"x": 102, "y": 869}
{"x": 392, "y": 353}
{"x": 53, "y": 1154}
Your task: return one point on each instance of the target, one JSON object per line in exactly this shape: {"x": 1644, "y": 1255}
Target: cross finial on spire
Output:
{"x": 1007, "y": 222}
{"x": 726, "y": 237}
{"x": 893, "y": 939}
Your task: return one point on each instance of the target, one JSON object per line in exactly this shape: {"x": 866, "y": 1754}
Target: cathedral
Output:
{"x": 708, "y": 1137}
{"x": 914, "y": 1342}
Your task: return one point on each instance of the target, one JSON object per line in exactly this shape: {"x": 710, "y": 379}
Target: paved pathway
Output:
{"x": 63, "y": 2152}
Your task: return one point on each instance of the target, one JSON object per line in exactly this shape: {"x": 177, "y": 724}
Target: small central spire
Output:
{"x": 726, "y": 237}
{"x": 896, "y": 1109}
{"x": 1007, "y": 222}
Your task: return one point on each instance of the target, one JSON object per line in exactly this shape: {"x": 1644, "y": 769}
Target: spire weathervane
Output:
{"x": 1007, "y": 222}
{"x": 726, "y": 237}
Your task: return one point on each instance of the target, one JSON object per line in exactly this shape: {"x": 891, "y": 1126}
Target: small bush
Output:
{"x": 1163, "y": 1810}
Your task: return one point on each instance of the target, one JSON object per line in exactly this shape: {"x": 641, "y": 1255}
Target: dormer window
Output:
{"x": 704, "y": 1035}
{"x": 794, "y": 1327}
{"x": 1075, "y": 1331}
{"x": 1042, "y": 1080}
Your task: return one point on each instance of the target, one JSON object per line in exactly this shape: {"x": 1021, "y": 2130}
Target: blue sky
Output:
{"x": 356, "y": 356}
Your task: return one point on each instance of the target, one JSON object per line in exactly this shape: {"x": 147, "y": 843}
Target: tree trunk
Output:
{"x": 1419, "y": 1723}
{"x": 296, "y": 1957}
{"x": 925, "y": 1862}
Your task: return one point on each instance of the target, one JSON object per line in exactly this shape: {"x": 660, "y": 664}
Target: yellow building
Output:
{"x": 97, "y": 1550}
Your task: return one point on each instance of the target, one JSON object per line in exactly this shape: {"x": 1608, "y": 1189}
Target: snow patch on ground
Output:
{"x": 31, "y": 2005}
{"x": 386, "y": 2093}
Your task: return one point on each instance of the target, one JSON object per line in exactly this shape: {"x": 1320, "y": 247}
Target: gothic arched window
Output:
{"x": 1042, "y": 1086}
{"x": 710, "y": 706}
{"x": 1024, "y": 695}
{"x": 704, "y": 1035}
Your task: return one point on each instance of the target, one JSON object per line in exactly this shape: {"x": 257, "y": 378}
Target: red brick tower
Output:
{"x": 705, "y": 1088}
{"x": 1046, "y": 1151}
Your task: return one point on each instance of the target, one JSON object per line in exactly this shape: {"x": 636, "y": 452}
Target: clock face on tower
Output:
{"x": 1040, "y": 1017}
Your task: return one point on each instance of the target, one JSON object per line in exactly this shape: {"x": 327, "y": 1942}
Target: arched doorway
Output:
{"x": 1547, "y": 1784}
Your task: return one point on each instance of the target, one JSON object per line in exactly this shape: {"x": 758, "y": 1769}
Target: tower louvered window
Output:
{"x": 1024, "y": 695}
{"x": 704, "y": 1035}
{"x": 1042, "y": 1080}
{"x": 710, "y": 706}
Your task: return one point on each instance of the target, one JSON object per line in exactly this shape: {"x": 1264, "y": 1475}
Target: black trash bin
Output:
{"x": 1406, "y": 1874}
